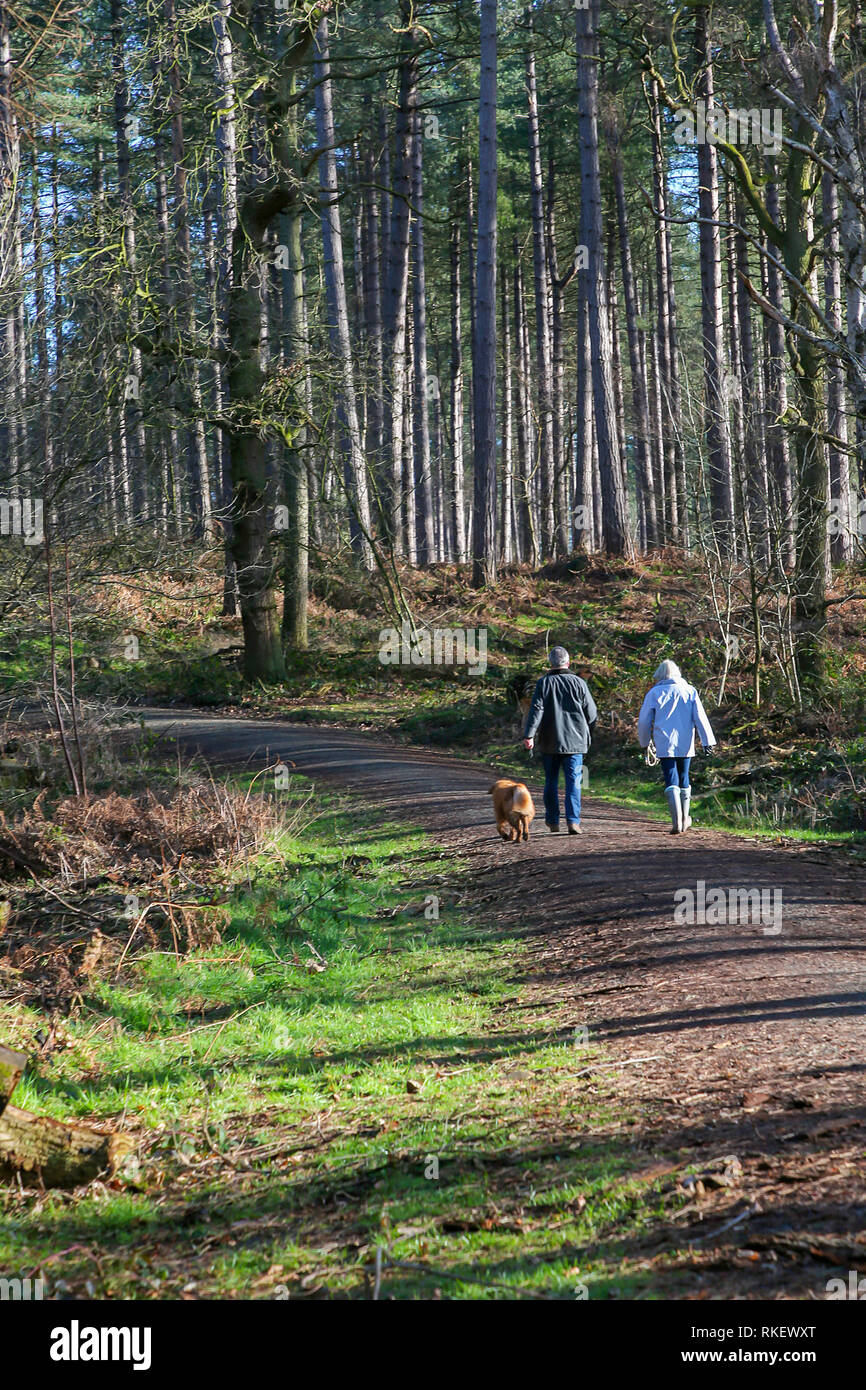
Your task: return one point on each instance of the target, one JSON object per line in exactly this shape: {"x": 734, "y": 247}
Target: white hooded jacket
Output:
{"x": 670, "y": 714}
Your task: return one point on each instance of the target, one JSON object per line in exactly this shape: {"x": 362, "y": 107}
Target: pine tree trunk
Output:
{"x": 655, "y": 388}
{"x": 613, "y": 502}
{"x": 226, "y": 142}
{"x": 43, "y": 362}
{"x": 484, "y": 328}
{"x": 397, "y": 285}
{"x": 812, "y": 570}
{"x": 777, "y": 400}
{"x": 425, "y": 384}
{"x": 295, "y": 350}
{"x": 10, "y": 166}
{"x": 716, "y": 425}
{"x": 373, "y": 323}
{"x": 410, "y": 510}
{"x": 338, "y": 312}
{"x": 640, "y": 407}
{"x": 543, "y": 363}
{"x": 668, "y": 500}
{"x": 186, "y": 297}
{"x": 754, "y": 457}
{"x": 264, "y": 194}
{"x": 506, "y": 524}
{"x": 526, "y": 533}
{"x": 457, "y": 481}
{"x": 584, "y": 510}
{"x": 837, "y": 421}
{"x": 131, "y": 416}
{"x": 557, "y": 286}
{"x": 170, "y": 450}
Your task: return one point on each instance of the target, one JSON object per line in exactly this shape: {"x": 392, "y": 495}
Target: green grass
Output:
{"x": 290, "y": 1120}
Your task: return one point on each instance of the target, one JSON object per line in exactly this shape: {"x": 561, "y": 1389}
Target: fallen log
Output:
{"x": 56, "y": 1154}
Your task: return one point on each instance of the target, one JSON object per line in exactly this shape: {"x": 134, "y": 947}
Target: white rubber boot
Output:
{"x": 685, "y": 802}
{"x": 676, "y": 810}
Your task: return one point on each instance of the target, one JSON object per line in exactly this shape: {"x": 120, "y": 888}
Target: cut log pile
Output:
{"x": 50, "y": 1152}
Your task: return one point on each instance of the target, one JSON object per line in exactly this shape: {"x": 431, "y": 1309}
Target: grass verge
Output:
{"x": 342, "y": 1074}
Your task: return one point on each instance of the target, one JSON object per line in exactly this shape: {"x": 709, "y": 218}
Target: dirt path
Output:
{"x": 737, "y": 1049}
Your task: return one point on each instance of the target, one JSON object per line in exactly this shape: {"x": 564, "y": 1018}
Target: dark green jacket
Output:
{"x": 562, "y": 714}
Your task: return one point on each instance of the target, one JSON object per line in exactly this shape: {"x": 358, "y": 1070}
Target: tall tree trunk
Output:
{"x": 137, "y": 455}
{"x": 543, "y": 364}
{"x": 777, "y": 400}
{"x": 754, "y": 458}
{"x": 484, "y": 331}
{"x": 716, "y": 427}
{"x": 10, "y": 168}
{"x": 186, "y": 294}
{"x": 526, "y": 534}
{"x": 457, "y": 484}
{"x": 557, "y": 286}
{"x": 584, "y": 509}
{"x": 170, "y": 447}
{"x": 669, "y": 501}
{"x": 425, "y": 385}
{"x": 43, "y": 362}
{"x": 264, "y": 194}
{"x": 226, "y": 142}
{"x": 656, "y": 397}
{"x": 640, "y": 405}
{"x": 373, "y": 323}
{"x": 615, "y": 358}
{"x": 506, "y": 526}
{"x": 614, "y": 516}
{"x": 812, "y": 570}
{"x": 295, "y": 350}
{"x": 837, "y": 421}
{"x": 338, "y": 312}
{"x": 397, "y": 286}
{"x": 410, "y": 510}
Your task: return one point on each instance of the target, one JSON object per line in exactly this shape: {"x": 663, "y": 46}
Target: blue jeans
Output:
{"x": 571, "y": 764}
{"x": 676, "y": 771}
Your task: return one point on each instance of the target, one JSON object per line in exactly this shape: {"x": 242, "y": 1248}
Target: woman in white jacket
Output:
{"x": 669, "y": 716}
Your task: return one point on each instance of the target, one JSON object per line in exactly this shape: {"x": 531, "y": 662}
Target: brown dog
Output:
{"x": 513, "y": 808}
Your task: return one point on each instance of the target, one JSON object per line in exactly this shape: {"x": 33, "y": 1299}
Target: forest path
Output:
{"x": 728, "y": 1041}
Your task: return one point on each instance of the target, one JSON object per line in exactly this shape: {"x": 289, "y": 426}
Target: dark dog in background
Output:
{"x": 520, "y": 688}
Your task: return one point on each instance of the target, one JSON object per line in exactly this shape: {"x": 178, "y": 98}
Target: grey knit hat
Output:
{"x": 558, "y": 658}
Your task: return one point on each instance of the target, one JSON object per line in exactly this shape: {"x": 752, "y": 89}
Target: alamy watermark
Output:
{"x": 22, "y": 1290}
{"x": 22, "y": 516}
{"x": 739, "y": 126}
{"x": 729, "y": 906}
{"x": 77, "y": 1343}
{"x": 443, "y": 646}
{"x": 854, "y": 1289}
{"x": 839, "y": 521}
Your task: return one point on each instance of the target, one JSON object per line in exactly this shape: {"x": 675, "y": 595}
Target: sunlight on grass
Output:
{"x": 303, "y": 1077}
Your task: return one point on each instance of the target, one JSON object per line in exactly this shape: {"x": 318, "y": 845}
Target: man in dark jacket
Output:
{"x": 563, "y": 714}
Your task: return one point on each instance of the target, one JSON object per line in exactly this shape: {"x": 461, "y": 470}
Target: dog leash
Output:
{"x": 651, "y": 757}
